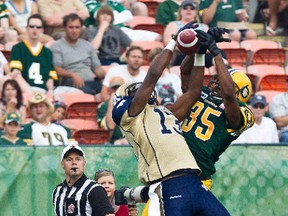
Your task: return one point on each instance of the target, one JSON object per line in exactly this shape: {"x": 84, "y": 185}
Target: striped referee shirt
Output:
{"x": 85, "y": 198}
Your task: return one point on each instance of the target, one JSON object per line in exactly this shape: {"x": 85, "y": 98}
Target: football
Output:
{"x": 187, "y": 41}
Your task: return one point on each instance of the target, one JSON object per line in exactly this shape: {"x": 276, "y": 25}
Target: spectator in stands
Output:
{"x": 33, "y": 60}
{"x": 104, "y": 114}
{"x": 12, "y": 101}
{"x": 108, "y": 39}
{"x": 264, "y": 129}
{"x": 75, "y": 60}
{"x": 121, "y": 14}
{"x": 131, "y": 72}
{"x": 137, "y": 8}
{"x": 4, "y": 65}
{"x": 54, "y": 11}
{"x": 11, "y": 128}
{"x": 106, "y": 178}
{"x": 167, "y": 11}
{"x": 40, "y": 131}
{"x": 213, "y": 11}
{"x": 59, "y": 112}
{"x": 168, "y": 102}
{"x": 276, "y": 13}
{"x": 187, "y": 13}
{"x": 4, "y": 22}
{"x": 20, "y": 11}
{"x": 278, "y": 111}
{"x": 168, "y": 85}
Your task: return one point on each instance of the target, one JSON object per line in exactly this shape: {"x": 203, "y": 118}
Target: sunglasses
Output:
{"x": 260, "y": 106}
{"x": 189, "y": 6}
{"x": 99, "y": 171}
{"x": 59, "y": 104}
{"x": 35, "y": 26}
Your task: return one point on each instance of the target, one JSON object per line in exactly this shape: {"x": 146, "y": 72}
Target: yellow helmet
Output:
{"x": 129, "y": 89}
{"x": 242, "y": 83}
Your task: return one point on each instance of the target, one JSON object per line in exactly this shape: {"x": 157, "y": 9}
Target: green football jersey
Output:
{"x": 94, "y": 5}
{"x": 208, "y": 133}
{"x": 3, "y": 10}
{"x": 101, "y": 113}
{"x": 7, "y": 142}
{"x": 37, "y": 67}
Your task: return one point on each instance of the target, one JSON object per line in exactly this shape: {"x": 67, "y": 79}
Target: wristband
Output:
{"x": 199, "y": 60}
{"x": 171, "y": 45}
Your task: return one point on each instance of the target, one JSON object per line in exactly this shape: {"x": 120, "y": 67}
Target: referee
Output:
{"x": 78, "y": 195}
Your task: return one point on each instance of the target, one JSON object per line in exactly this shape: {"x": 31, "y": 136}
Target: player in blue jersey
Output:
{"x": 164, "y": 160}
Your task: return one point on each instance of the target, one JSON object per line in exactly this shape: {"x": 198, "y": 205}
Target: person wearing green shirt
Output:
{"x": 11, "y": 128}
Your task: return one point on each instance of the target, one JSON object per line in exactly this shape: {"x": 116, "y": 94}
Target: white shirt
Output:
{"x": 266, "y": 132}
{"x": 121, "y": 70}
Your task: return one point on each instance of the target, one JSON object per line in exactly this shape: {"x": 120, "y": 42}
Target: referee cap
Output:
{"x": 74, "y": 148}
{"x": 39, "y": 98}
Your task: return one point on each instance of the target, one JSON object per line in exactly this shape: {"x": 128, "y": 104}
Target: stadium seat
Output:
{"x": 91, "y": 136}
{"x": 269, "y": 94}
{"x": 83, "y": 110}
{"x": 264, "y": 52}
{"x": 262, "y": 69}
{"x": 256, "y": 72}
{"x": 147, "y": 46}
{"x": 270, "y": 56}
{"x": 72, "y": 97}
{"x": 152, "y": 7}
{"x": 7, "y": 54}
{"x": 236, "y": 56}
{"x": 107, "y": 67}
{"x": 275, "y": 82}
{"x": 254, "y": 45}
{"x": 176, "y": 70}
{"x": 80, "y": 124}
{"x": 225, "y": 45}
{"x": 141, "y": 20}
{"x": 156, "y": 27}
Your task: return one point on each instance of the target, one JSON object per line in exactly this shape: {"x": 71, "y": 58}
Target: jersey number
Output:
{"x": 204, "y": 131}
{"x": 56, "y": 135}
{"x": 34, "y": 73}
{"x": 165, "y": 129}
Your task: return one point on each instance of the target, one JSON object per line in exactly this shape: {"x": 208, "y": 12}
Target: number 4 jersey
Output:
{"x": 36, "y": 65}
{"x": 45, "y": 135}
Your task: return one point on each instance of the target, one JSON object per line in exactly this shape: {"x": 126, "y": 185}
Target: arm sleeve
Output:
{"x": 57, "y": 55}
{"x": 99, "y": 201}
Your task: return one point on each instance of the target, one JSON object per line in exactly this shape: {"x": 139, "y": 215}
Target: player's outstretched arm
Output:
{"x": 144, "y": 92}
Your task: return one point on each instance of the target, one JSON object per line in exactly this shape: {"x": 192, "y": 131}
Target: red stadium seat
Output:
{"x": 147, "y": 46}
{"x": 152, "y": 7}
{"x": 83, "y": 110}
{"x": 275, "y": 82}
{"x": 269, "y": 94}
{"x": 156, "y": 27}
{"x": 263, "y": 52}
{"x": 80, "y": 124}
{"x": 96, "y": 136}
{"x": 141, "y": 20}
{"x": 72, "y": 97}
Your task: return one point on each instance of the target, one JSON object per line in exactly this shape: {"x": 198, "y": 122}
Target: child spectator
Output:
{"x": 108, "y": 39}
{"x": 59, "y": 112}
{"x": 11, "y": 128}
